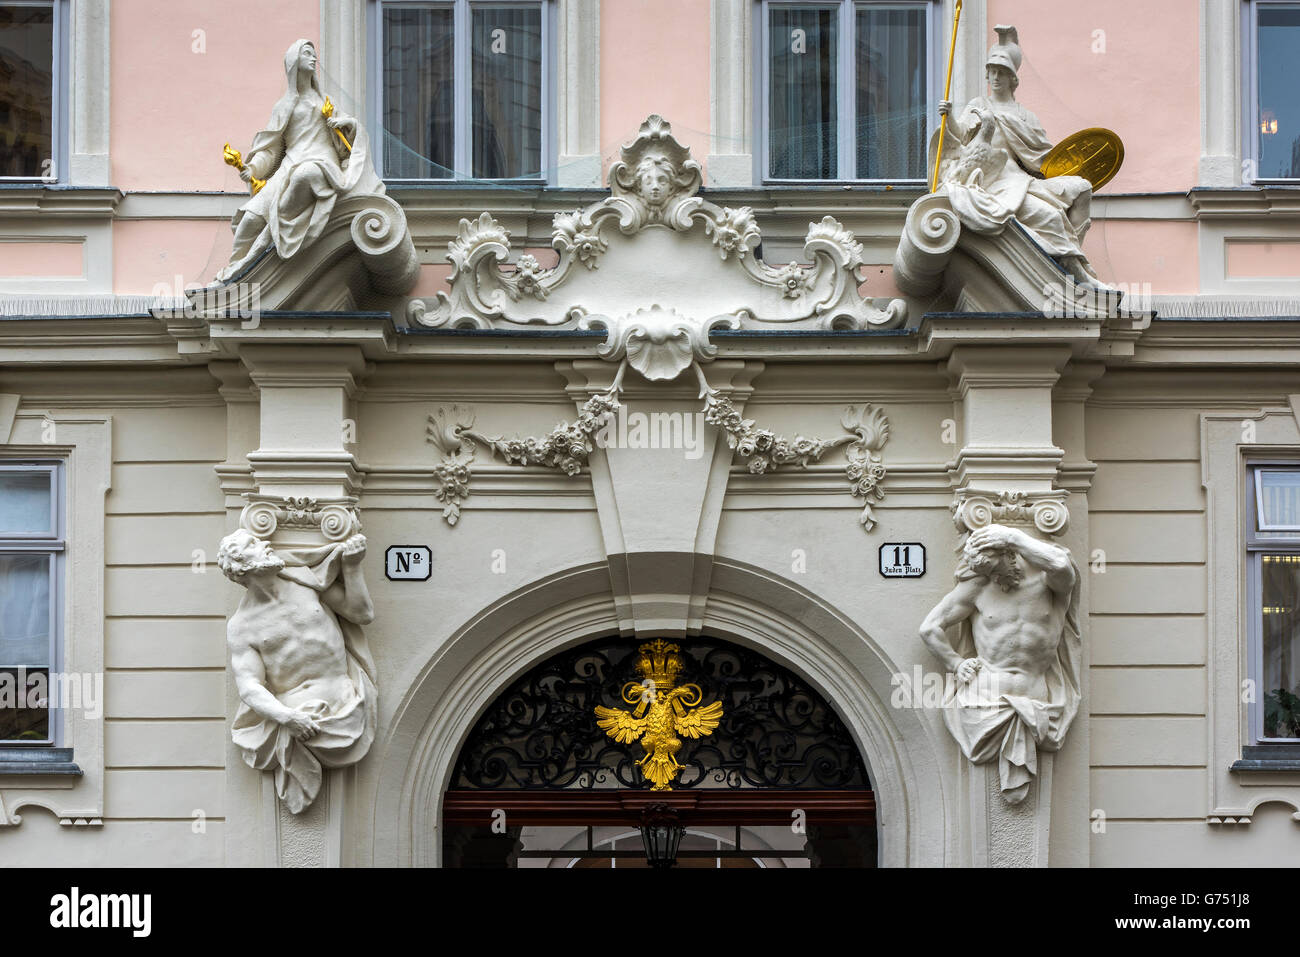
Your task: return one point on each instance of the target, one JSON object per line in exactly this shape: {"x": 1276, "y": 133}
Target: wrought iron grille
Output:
{"x": 776, "y": 731}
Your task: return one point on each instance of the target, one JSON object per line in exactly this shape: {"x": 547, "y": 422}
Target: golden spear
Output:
{"x": 327, "y": 111}
{"x": 947, "y": 92}
{"x": 233, "y": 158}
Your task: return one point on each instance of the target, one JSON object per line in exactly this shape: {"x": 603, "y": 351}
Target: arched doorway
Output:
{"x": 757, "y": 769}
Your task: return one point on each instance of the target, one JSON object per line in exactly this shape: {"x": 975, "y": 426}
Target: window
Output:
{"x": 464, "y": 89}
{"x": 846, "y": 90}
{"x": 31, "y": 108}
{"x": 1273, "y": 579}
{"x": 1273, "y": 134}
{"x": 31, "y": 555}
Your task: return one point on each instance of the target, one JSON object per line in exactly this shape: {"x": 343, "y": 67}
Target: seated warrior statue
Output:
{"x": 306, "y": 164}
{"x": 301, "y": 664}
{"x": 1017, "y": 653}
{"x": 1005, "y": 144}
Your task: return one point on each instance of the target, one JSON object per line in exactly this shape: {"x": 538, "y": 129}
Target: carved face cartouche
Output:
{"x": 653, "y": 179}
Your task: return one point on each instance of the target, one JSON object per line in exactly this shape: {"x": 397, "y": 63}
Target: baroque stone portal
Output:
{"x": 1017, "y": 652}
{"x": 301, "y": 663}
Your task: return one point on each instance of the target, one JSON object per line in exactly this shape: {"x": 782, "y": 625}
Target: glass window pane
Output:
{"x": 802, "y": 96}
{"x": 891, "y": 92}
{"x": 1279, "y": 499}
{"x": 1280, "y": 586}
{"x": 419, "y": 93}
{"x": 25, "y": 502}
{"x": 1279, "y": 79}
{"x": 506, "y": 48}
{"x": 26, "y": 90}
{"x": 29, "y": 720}
{"x": 25, "y": 610}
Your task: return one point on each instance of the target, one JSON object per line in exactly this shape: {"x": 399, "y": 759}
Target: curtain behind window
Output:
{"x": 507, "y": 92}
{"x": 891, "y": 93}
{"x": 419, "y": 107}
{"x": 802, "y": 135}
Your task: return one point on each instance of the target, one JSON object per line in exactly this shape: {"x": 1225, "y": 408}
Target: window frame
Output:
{"x": 463, "y": 120}
{"x": 55, "y": 545}
{"x": 59, "y": 124}
{"x": 1255, "y": 548}
{"x": 847, "y": 87}
{"x": 1250, "y": 146}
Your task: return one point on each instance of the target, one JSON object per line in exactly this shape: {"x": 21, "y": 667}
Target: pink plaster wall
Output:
{"x": 433, "y": 280}
{"x": 173, "y": 108}
{"x": 654, "y": 58}
{"x": 39, "y": 259}
{"x": 1137, "y": 252}
{"x": 1250, "y": 259}
{"x": 147, "y": 252}
{"x": 1145, "y": 86}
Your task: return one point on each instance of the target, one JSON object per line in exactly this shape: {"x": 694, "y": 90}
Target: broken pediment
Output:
{"x": 655, "y": 266}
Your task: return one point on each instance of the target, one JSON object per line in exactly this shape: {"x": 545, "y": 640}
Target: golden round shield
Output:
{"x": 1094, "y": 154}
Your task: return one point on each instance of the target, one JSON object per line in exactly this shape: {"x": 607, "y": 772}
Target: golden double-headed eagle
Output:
{"x": 663, "y": 711}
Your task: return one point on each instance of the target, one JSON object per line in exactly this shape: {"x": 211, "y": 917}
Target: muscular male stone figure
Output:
{"x": 1017, "y": 655}
{"x": 307, "y": 691}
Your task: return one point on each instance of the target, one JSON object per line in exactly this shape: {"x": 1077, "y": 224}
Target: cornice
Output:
{"x": 1245, "y": 201}
{"x": 19, "y": 201}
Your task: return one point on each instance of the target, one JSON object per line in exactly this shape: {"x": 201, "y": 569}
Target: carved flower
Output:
{"x": 733, "y": 231}
{"x": 528, "y": 277}
{"x": 793, "y": 279}
{"x": 567, "y": 233}
{"x": 758, "y": 465}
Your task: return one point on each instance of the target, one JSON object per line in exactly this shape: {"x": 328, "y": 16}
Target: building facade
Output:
{"x": 882, "y": 525}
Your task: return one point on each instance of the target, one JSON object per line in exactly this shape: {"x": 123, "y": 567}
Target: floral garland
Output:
{"x": 566, "y": 447}
{"x": 766, "y": 450}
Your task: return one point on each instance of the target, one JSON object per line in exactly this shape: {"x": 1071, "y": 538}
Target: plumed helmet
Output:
{"x": 1006, "y": 52}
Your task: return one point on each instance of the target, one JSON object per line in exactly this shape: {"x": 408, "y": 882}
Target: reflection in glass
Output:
{"x": 29, "y": 717}
{"x": 1279, "y": 91}
{"x": 802, "y": 136}
{"x": 26, "y": 90}
{"x": 507, "y": 90}
{"x": 25, "y": 502}
{"x": 419, "y": 106}
{"x": 891, "y": 114}
{"x": 1280, "y": 584}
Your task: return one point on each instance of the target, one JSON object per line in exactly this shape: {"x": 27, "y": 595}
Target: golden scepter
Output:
{"x": 327, "y": 111}
{"x": 947, "y": 92}
{"x": 233, "y": 158}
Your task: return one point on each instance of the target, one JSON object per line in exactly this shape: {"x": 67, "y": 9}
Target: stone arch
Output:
{"x": 747, "y": 605}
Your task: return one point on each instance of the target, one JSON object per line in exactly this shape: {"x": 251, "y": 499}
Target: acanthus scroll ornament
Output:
{"x": 654, "y": 231}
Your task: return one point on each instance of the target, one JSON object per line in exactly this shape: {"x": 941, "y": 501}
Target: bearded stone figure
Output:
{"x": 306, "y": 163}
{"x": 1017, "y": 651}
{"x": 302, "y": 668}
{"x": 992, "y": 155}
